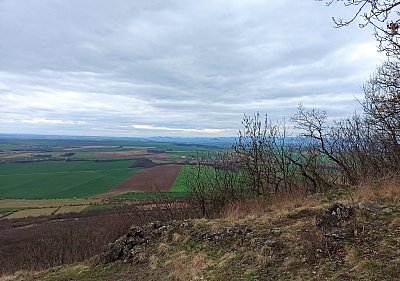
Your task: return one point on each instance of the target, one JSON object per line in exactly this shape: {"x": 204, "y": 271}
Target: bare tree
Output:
{"x": 383, "y": 15}
{"x": 250, "y": 150}
{"x": 261, "y": 150}
{"x": 326, "y": 140}
{"x": 382, "y": 108}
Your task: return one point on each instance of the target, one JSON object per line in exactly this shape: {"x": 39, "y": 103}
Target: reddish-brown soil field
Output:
{"x": 155, "y": 179}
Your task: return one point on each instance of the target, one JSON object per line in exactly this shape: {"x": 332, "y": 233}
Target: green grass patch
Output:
{"x": 187, "y": 171}
{"x": 7, "y": 210}
{"x": 60, "y": 179}
{"x": 180, "y": 184}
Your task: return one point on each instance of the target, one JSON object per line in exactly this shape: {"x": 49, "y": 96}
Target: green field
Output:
{"x": 6, "y": 210}
{"x": 36, "y": 179}
{"x": 60, "y": 179}
{"x": 180, "y": 181}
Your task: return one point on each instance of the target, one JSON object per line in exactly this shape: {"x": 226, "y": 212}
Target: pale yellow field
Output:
{"x": 41, "y": 203}
{"x": 87, "y": 146}
{"x": 31, "y": 213}
{"x": 71, "y": 209}
{"x": 15, "y": 155}
{"x": 141, "y": 152}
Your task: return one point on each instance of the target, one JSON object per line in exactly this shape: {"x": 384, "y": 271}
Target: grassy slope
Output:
{"x": 59, "y": 179}
{"x": 284, "y": 245}
{"x": 294, "y": 253}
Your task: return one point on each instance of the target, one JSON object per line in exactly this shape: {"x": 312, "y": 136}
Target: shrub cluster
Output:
{"x": 267, "y": 159}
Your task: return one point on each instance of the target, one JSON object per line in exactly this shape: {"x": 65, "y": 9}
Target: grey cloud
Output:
{"x": 101, "y": 67}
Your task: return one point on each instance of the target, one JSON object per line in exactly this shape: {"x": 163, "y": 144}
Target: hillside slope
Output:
{"x": 317, "y": 242}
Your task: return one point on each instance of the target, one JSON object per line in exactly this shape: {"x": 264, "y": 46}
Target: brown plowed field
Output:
{"x": 155, "y": 179}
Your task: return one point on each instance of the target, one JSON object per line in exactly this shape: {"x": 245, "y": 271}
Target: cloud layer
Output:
{"x": 164, "y": 67}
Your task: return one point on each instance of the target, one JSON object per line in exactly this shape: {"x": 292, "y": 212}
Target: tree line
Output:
{"x": 267, "y": 159}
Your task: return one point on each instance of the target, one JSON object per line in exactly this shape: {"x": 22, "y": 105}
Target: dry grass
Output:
{"x": 32, "y": 213}
{"x": 41, "y": 203}
{"x": 379, "y": 190}
{"x": 352, "y": 255}
{"x": 396, "y": 222}
{"x": 263, "y": 255}
{"x": 176, "y": 237}
{"x": 188, "y": 267}
{"x": 9, "y": 277}
{"x": 162, "y": 249}
{"x": 141, "y": 152}
{"x": 226, "y": 259}
{"x": 153, "y": 262}
{"x": 71, "y": 209}
{"x": 259, "y": 207}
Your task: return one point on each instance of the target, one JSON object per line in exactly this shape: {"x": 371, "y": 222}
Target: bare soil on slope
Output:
{"x": 155, "y": 179}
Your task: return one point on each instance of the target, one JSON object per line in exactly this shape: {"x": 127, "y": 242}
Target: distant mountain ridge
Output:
{"x": 206, "y": 141}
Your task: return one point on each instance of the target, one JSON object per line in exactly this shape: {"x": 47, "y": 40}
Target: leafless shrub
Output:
{"x": 44, "y": 242}
{"x": 382, "y": 15}
{"x": 264, "y": 161}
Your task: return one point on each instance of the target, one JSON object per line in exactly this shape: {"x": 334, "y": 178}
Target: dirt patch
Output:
{"x": 155, "y": 179}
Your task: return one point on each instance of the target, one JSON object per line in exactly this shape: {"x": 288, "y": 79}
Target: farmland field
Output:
{"x": 20, "y": 208}
{"x": 32, "y": 213}
{"x": 69, "y": 209}
{"x": 60, "y": 179}
{"x": 150, "y": 195}
{"x": 155, "y": 179}
{"x": 44, "y": 203}
{"x": 178, "y": 188}
{"x": 43, "y": 176}
{"x": 180, "y": 181}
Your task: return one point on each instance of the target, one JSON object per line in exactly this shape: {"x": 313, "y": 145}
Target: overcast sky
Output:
{"x": 173, "y": 68}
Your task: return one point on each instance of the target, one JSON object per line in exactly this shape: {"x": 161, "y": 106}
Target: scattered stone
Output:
{"x": 336, "y": 222}
{"x": 236, "y": 231}
{"x": 130, "y": 245}
{"x": 276, "y": 231}
{"x": 335, "y": 216}
{"x": 387, "y": 210}
{"x": 270, "y": 243}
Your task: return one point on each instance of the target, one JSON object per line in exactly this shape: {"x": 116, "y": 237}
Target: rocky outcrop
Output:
{"x": 336, "y": 221}
{"x": 335, "y": 216}
{"x": 129, "y": 246}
